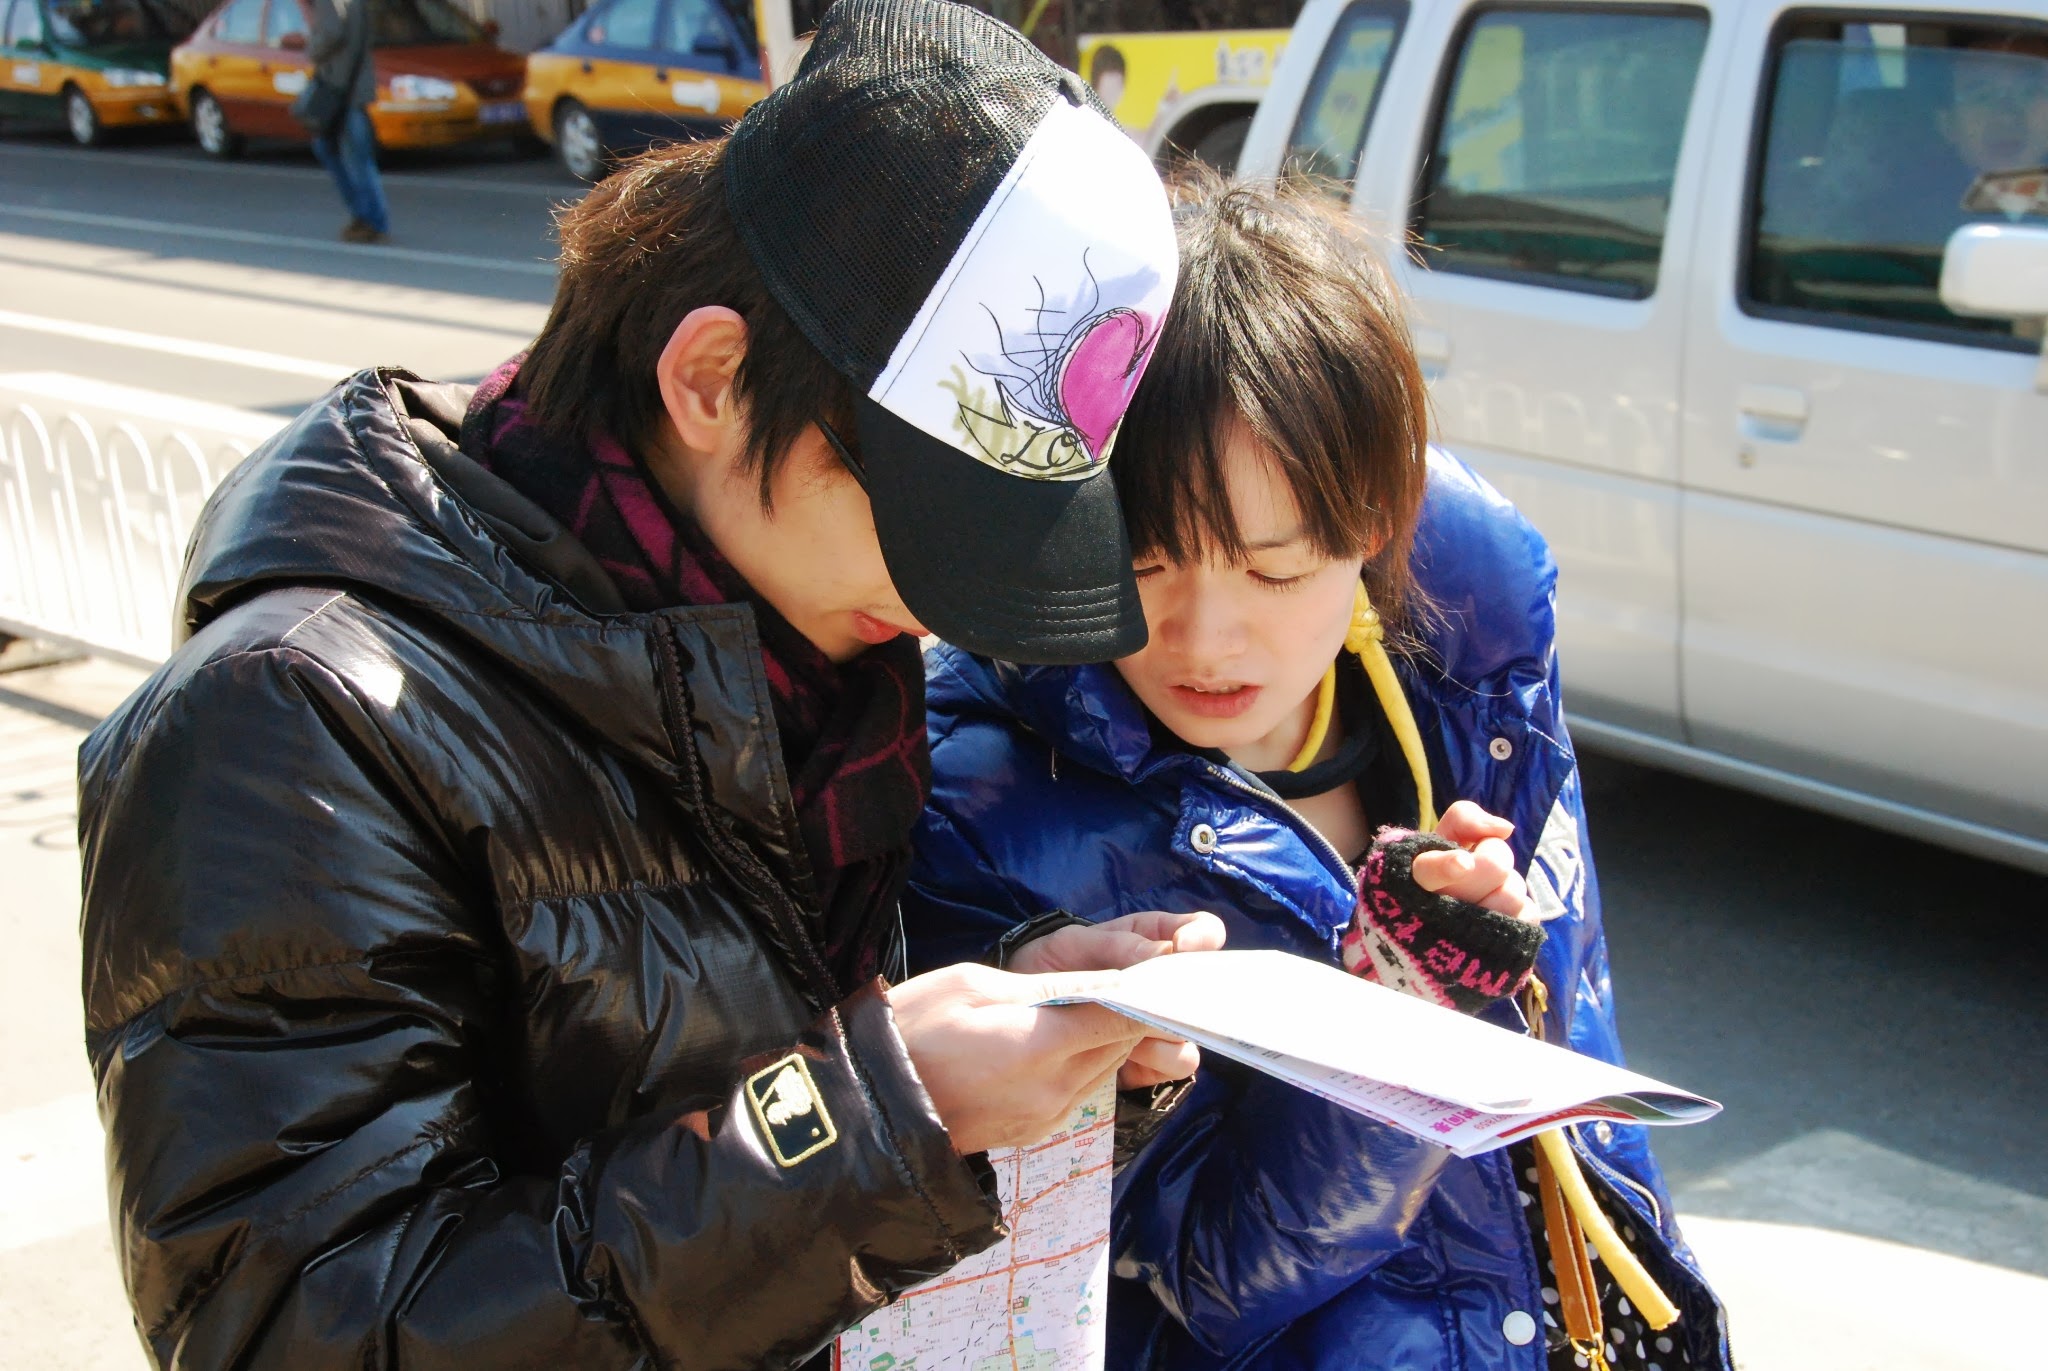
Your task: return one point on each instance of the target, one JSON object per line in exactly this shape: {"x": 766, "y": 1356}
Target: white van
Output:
{"x": 1686, "y": 290}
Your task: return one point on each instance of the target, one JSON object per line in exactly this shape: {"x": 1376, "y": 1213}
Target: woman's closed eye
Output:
{"x": 1272, "y": 582}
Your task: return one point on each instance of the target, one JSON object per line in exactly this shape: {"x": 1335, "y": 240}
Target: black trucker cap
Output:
{"x": 956, "y": 225}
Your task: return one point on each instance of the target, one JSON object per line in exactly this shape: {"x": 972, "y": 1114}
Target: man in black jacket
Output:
{"x": 490, "y": 908}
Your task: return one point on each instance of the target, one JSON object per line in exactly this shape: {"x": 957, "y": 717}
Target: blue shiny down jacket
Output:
{"x": 1263, "y": 1227}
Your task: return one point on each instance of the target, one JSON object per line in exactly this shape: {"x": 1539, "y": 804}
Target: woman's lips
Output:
{"x": 869, "y": 629}
{"x": 1215, "y": 702}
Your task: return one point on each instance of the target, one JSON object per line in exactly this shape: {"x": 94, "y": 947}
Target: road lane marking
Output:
{"x": 178, "y": 347}
{"x": 278, "y": 240}
{"x": 200, "y": 418}
{"x": 391, "y": 177}
{"x": 308, "y": 288}
{"x": 53, "y": 1178}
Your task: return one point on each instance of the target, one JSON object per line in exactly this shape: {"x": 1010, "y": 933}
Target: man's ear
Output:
{"x": 695, "y": 375}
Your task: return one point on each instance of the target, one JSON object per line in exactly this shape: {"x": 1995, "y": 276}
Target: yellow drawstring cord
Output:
{"x": 1367, "y": 638}
{"x": 1639, "y": 1285}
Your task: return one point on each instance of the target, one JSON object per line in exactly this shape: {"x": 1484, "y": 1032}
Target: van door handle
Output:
{"x": 1769, "y": 414}
{"x": 1433, "y": 351}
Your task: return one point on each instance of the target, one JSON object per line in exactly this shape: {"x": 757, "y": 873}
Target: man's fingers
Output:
{"x": 1102, "y": 948}
{"x": 1062, "y": 985}
{"x": 1076, "y": 1028}
{"x": 1200, "y": 931}
{"x": 1172, "y": 1059}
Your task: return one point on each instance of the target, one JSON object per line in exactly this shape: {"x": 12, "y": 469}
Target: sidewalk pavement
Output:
{"x": 1802, "y": 1297}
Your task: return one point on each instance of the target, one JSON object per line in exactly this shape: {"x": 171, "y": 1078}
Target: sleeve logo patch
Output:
{"x": 790, "y": 1110}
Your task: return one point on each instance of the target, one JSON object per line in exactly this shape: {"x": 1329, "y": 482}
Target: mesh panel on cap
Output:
{"x": 853, "y": 185}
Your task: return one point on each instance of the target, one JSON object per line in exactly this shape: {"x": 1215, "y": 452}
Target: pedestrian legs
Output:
{"x": 350, "y": 155}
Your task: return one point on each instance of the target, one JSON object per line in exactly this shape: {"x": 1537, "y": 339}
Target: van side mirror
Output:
{"x": 1999, "y": 271}
{"x": 292, "y": 42}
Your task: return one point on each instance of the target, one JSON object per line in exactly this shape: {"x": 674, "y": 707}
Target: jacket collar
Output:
{"x": 367, "y": 491}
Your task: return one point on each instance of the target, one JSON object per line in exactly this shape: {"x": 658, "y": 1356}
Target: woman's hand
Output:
{"x": 1482, "y": 871}
{"x": 1117, "y": 943}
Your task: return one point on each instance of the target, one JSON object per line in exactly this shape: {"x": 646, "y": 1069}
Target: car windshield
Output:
{"x": 415, "y": 23}
{"x": 95, "y": 23}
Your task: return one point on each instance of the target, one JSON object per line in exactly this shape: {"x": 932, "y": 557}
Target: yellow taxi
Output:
{"x": 440, "y": 77}
{"x": 630, "y": 73}
{"x": 94, "y": 64}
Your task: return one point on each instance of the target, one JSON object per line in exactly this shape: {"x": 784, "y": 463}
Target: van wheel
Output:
{"x": 577, "y": 141}
{"x": 82, "y": 119}
{"x": 210, "y": 127}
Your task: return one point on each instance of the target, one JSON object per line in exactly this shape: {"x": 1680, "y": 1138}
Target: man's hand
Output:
{"x": 1002, "y": 1072}
{"x": 1125, "y": 942}
{"x": 1482, "y": 871}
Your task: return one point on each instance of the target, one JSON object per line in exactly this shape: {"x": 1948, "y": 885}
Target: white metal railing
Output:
{"x": 99, "y": 488}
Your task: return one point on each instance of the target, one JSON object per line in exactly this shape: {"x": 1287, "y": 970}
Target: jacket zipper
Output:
{"x": 781, "y": 909}
{"x": 1236, "y": 782}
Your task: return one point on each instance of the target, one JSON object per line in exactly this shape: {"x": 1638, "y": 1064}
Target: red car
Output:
{"x": 440, "y": 76}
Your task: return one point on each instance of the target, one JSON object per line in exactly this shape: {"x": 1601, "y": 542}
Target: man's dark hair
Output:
{"x": 1284, "y": 320}
{"x": 646, "y": 246}
{"x": 1102, "y": 62}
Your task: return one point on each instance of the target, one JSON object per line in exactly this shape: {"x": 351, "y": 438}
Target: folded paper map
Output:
{"x": 1436, "y": 1074}
{"x": 1037, "y": 1299}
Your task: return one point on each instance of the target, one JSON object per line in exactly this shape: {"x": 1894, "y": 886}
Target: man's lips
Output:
{"x": 869, "y": 629}
{"x": 1218, "y": 700}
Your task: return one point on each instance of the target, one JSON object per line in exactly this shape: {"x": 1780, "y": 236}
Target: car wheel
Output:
{"x": 82, "y": 119}
{"x": 210, "y": 127}
{"x": 577, "y": 141}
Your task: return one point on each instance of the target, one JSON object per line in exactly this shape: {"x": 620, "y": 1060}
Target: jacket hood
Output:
{"x": 367, "y": 492}
{"x": 1486, "y": 573}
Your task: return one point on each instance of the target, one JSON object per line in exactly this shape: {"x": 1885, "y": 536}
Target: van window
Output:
{"x": 1556, "y": 146}
{"x": 1881, "y": 140}
{"x": 1329, "y": 134}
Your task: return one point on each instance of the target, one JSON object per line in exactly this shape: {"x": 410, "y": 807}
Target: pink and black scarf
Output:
{"x": 853, "y": 736}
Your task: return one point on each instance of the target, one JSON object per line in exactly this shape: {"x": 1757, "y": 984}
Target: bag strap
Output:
{"x": 1578, "y": 1298}
{"x": 1562, "y": 1187}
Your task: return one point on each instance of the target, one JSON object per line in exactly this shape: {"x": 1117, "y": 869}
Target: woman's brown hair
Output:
{"x": 1284, "y": 321}
{"x": 647, "y": 245}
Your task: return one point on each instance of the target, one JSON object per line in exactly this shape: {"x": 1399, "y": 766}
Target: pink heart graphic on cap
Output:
{"x": 1102, "y": 371}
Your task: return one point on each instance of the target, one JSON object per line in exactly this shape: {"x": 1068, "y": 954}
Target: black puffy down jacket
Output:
{"x": 446, "y": 954}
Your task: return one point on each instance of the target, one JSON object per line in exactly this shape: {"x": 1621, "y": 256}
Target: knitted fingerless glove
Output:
{"x": 1431, "y": 946}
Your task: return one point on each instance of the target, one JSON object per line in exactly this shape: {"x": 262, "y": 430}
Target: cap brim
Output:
{"x": 1026, "y": 570}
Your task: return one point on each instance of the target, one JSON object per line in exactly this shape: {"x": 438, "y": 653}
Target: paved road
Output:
{"x": 187, "y": 257}
{"x": 1869, "y": 1009}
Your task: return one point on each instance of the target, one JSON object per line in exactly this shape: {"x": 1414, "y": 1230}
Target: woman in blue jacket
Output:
{"x": 1284, "y": 504}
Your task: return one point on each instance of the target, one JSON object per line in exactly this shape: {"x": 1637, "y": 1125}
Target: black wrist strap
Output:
{"x": 1029, "y": 931}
